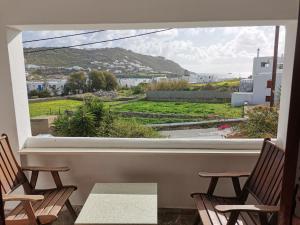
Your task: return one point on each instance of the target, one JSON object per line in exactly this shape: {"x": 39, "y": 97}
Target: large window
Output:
{"x": 194, "y": 83}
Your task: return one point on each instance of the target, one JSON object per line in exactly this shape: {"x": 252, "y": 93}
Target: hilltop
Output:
{"x": 120, "y": 61}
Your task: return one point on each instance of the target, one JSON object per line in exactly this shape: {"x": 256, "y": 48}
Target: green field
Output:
{"x": 203, "y": 110}
{"x": 52, "y": 107}
{"x": 56, "y": 107}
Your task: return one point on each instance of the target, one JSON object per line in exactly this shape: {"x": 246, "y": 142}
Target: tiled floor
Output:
{"x": 165, "y": 217}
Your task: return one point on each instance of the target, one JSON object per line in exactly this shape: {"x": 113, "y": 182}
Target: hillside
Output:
{"x": 120, "y": 61}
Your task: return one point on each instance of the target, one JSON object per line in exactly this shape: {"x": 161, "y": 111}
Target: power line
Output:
{"x": 63, "y": 36}
{"x": 98, "y": 42}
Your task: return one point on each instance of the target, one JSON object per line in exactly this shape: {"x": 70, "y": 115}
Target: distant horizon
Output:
{"x": 219, "y": 51}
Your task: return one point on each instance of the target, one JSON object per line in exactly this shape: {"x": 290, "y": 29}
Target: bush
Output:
{"x": 139, "y": 89}
{"x": 39, "y": 94}
{"x": 92, "y": 119}
{"x": 169, "y": 85}
{"x": 262, "y": 123}
{"x": 132, "y": 129}
{"x": 111, "y": 81}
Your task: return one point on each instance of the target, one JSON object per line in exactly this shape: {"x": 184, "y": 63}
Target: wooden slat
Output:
{"x": 36, "y": 207}
{"x": 259, "y": 164}
{"x": 223, "y": 216}
{"x": 260, "y": 177}
{"x": 224, "y": 174}
{"x": 202, "y": 210}
{"x": 53, "y": 202}
{"x": 11, "y": 175}
{"x": 241, "y": 220}
{"x": 268, "y": 174}
{"x": 60, "y": 203}
{"x": 278, "y": 167}
{"x": 45, "y": 203}
{"x": 211, "y": 210}
{"x": 247, "y": 218}
{"x": 9, "y": 159}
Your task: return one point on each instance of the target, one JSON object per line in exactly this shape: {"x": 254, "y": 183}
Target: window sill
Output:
{"x": 71, "y": 145}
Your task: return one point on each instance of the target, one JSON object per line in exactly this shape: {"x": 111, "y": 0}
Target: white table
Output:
{"x": 120, "y": 203}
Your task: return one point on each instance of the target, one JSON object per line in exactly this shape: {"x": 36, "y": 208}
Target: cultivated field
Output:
{"x": 196, "y": 111}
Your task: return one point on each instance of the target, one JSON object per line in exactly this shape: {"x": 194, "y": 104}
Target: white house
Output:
{"x": 55, "y": 87}
{"x": 35, "y": 85}
{"x": 256, "y": 90}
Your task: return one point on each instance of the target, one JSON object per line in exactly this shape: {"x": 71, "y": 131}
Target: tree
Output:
{"x": 111, "y": 81}
{"x": 77, "y": 83}
{"x": 97, "y": 81}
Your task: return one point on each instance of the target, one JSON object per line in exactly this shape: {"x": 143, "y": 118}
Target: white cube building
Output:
{"x": 262, "y": 73}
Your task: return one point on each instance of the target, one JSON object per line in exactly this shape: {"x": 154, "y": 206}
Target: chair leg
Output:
{"x": 71, "y": 209}
{"x": 197, "y": 219}
{"x": 233, "y": 218}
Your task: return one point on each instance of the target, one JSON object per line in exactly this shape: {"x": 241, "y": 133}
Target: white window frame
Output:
{"x": 20, "y": 131}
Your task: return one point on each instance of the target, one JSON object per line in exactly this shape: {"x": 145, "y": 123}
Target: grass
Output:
{"x": 52, "y": 107}
{"x": 125, "y": 92}
{"x": 203, "y": 110}
{"x": 56, "y": 107}
{"x": 227, "y": 83}
{"x": 159, "y": 120}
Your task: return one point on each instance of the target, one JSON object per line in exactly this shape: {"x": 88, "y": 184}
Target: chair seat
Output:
{"x": 210, "y": 216}
{"x": 46, "y": 210}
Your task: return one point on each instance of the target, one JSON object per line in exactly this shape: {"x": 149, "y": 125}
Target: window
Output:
{"x": 158, "y": 83}
{"x": 265, "y": 64}
{"x": 280, "y": 66}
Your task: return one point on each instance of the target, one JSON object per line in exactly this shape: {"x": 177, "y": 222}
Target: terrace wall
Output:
{"x": 190, "y": 96}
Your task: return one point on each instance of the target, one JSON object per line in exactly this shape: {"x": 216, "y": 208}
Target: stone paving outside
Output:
{"x": 165, "y": 217}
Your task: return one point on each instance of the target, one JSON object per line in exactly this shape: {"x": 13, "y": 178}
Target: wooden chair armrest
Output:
{"x": 45, "y": 169}
{"x": 247, "y": 208}
{"x": 224, "y": 174}
{"x": 23, "y": 197}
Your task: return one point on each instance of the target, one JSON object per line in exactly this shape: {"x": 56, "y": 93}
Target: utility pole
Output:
{"x": 274, "y": 71}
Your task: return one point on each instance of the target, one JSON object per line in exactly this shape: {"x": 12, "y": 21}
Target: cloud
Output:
{"x": 218, "y": 50}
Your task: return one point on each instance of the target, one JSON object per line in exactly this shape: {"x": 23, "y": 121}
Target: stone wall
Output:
{"x": 42, "y": 124}
{"x": 190, "y": 96}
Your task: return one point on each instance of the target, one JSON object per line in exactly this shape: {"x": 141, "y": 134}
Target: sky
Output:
{"x": 220, "y": 50}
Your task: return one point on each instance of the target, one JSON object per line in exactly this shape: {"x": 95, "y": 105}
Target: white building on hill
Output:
{"x": 258, "y": 89}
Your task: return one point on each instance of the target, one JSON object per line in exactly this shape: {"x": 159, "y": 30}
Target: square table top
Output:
{"x": 120, "y": 203}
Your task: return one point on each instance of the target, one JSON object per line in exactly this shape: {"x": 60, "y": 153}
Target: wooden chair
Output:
{"x": 264, "y": 184}
{"x": 36, "y": 206}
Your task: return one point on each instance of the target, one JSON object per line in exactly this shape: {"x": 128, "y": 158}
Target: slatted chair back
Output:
{"x": 11, "y": 175}
{"x": 266, "y": 178}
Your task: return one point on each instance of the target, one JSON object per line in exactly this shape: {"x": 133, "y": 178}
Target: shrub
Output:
{"x": 132, "y": 129}
{"x": 262, "y": 123}
{"x": 39, "y": 94}
{"x": 111, "y": 81}
{"x": 168, "y": 85}
{"x": 139, "y": 89}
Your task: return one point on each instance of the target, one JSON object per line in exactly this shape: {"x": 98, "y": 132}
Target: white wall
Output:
{"x": 14, "y": 113}
{"x": 176, "y": 174}
{"x": 64, "y": 12}
{"x": 239, "y": 98}
{"x": 290, "y": 39}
